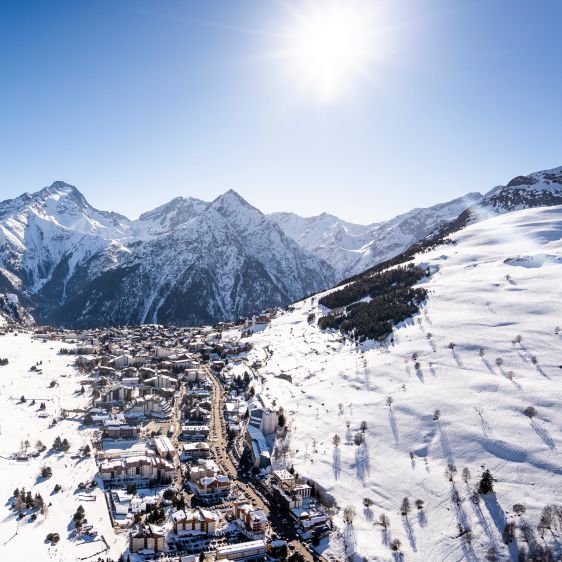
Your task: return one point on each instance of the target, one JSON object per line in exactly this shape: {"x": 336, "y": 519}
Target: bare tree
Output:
{"x": 348, "y": 515}
{"x": 363, "y": 426}
{"x": 450, "y": 472}
{"x": 367, "y": 502}
{"x": 384, "y": 521}
{"x": 547, "y": 519}
{"x": 452, "y": 345}
{"x": 389, "y": 401}
{"x": 336, "y": 440}
{"x": 465, "y": 475}
{"x": 395, "y": 545}
{"x": 499, "y": 361}
{"x": 359, "y": 439}
{"x": 436, "y": 415}
{"x": 419, "y": 504}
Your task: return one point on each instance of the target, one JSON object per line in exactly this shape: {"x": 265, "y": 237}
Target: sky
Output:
{"x": 136, "y": 102}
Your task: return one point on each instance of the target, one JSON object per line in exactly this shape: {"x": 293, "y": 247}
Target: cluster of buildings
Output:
{"x": 153, "y": 413}
{"x": 306, "y": 512}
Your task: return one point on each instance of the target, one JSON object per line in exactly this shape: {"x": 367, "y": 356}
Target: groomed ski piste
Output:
{"x": 25, "y": 540}
{"x": 487, "y": 347}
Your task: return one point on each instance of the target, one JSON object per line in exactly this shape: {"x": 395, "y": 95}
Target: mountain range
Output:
{"x": 191, "y": 262}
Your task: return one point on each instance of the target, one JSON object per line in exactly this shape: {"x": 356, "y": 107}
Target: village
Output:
{"x": 184, "y": 446}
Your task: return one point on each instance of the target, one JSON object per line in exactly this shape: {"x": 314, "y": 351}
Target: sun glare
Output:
{"x": 329, "y": 47}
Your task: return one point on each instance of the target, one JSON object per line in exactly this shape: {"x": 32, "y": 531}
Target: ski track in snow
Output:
{"x": 481, "y": 403}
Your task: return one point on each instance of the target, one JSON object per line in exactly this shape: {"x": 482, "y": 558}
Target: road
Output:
{"x": 274, "y": 512}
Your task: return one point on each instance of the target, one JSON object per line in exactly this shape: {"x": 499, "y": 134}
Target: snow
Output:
{"x": 478, "y": 298}
{"x": 55, "y": 243}
{"x": 351, "y": 248}
{"x": 20, "y": 422}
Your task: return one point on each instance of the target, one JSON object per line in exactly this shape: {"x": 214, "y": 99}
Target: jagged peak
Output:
{"x": 544, "y": 180}
{"x": 60, "y": 187}
{"x": 172, "y": 206}
{"x": 231, "y": 200}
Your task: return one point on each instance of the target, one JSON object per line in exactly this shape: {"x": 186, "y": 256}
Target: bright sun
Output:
{"x": 329, "y": 46}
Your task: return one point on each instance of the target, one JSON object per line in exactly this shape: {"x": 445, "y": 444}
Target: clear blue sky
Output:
{"x": 136, "y": 102}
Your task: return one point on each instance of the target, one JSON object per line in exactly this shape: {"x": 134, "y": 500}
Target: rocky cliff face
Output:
{"x": 187, "y": 262}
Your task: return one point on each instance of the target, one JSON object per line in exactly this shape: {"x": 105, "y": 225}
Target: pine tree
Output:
{"x": 486, "y": 485}
{"x": 405, "y": 507}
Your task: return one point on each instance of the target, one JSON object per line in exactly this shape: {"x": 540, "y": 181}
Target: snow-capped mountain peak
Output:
{"x": 538, "y": 189}
{"x": 189, "y": 261}
{"x": 351, "y": 248}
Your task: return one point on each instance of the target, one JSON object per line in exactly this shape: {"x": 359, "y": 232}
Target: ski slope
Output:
{"x": 502, "y": 279}
{"x": 25, "y": 540}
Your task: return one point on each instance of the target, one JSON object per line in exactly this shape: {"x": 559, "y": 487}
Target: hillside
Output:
{"x": 186, "y": 262}
{"x": 485, "y": 347}
{"x": 352, "y": 248}
{"x": 21, "y": 422}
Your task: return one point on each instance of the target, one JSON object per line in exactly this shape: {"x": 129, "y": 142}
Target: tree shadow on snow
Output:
{"x": 487, "y": 363}
{"x": 362, "y": 461}
{"x": 393, "y": 426}
{"x": 445, "y": 445}
{"x": 385, "y": 538}
{"x": 457, "y": 359}
{"x": 498, "y": 517}
{"x": 409, "y": 533}
{"x": 542, "y": 432}
{"x": 350, "y": 540}
{"x": 336, "y": 463}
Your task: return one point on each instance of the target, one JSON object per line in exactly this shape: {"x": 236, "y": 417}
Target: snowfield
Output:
{"x": 501, "y": 280}
{"x": 25, "y": 541}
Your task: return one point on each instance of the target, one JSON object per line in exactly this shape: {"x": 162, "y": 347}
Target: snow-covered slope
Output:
{"x": 215, "y": 260}
{"x": 351, "y": 248}
{"x": 20, "y": 422}
{"x": 535, "y": 190}
{"x": 228, "y": 261}
{"x": 189, "y": 261}
{"x": 11, "y": 312}
{"x": 52, "y": 236}
{"x": 496, "y": 297}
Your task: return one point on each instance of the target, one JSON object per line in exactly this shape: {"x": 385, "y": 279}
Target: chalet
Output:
{"x": 146, "y": 539}
{"x": 194, "y": 522}
{"x": 194, "y": 433}
{"x": 213, "y": 487}
{"x": 118, "y": 429}
{"x": 198, "y": 450}
{"x": 253, "y": 520}
{"x": 164, "y": 447}
{"x": 149, "y": 405}
{"x": 139, "y": 469}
